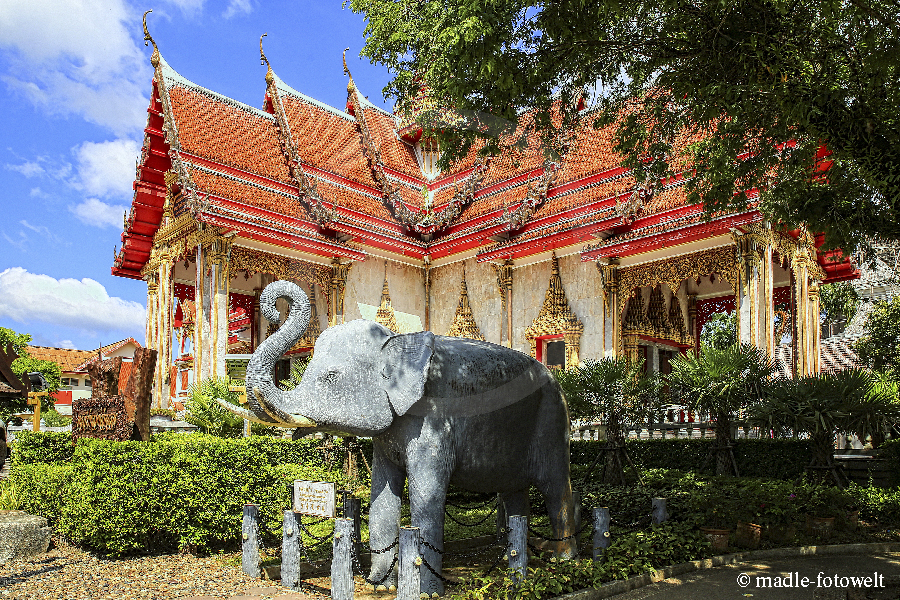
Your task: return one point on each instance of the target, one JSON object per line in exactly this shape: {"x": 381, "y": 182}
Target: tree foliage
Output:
{"x": 26, "y": 364}
{"x": 879, "y": 348}
{"x": 745, "y": 94}
{"x": 719, "y": 331}
{"x": 838, "y": 302}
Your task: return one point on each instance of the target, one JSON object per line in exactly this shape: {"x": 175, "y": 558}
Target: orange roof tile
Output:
{"x": 326, "y": 140}
{"x": 228, "y": 134}
{"x": 395, "y": 153}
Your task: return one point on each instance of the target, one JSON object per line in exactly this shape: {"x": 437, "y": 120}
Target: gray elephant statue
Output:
{"x": 439, "y": 410}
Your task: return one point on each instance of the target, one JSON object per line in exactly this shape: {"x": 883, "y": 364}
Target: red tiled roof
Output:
{"x": 236, "y": 154}
{"x": 227, "y": 134}
{"x": 395, "y": 153}
{"x": 326, "y": 140}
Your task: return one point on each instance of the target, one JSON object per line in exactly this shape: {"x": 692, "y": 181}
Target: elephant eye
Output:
{"x": 330, "y": 377}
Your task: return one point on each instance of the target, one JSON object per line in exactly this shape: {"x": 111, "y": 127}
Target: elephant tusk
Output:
{"x": 284, "y": 419}
{"x": 244, "y": 413}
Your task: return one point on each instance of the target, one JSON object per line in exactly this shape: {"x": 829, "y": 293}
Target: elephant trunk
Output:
{"x": 265, "y": 398}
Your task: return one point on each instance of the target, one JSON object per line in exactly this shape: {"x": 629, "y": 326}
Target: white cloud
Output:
{"x": 188, "y": 6}
{"x": 99, "y": 214}
{"x": 67, "y": 344}
{"x": 27, "y": 297}
{"x": 29, "y": 168}
{"x": 237, "y": 7}
{"x": 106, "y": 168}
{"x": 41, "y": 230}
{"x": 21, "y": 243}
{"x": 78, "y": 57}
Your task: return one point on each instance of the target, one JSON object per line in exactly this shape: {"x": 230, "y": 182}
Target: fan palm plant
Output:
{"x": 721, "y": 382}
{"x": 825, "y": 404}
{"x": 204, "y": 412}
{"x": 617, "y": 392}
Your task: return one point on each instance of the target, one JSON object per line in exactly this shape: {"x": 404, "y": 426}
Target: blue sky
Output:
{"x": 74, "y": 85}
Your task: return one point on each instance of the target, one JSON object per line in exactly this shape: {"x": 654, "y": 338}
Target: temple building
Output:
{"x": 565, "y": 259}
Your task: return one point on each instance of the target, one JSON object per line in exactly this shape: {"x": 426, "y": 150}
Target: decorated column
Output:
{"x": 217, "y": 290}
{"x": 504, "y": 272}
{"x": 807, "y": 277}
{"x": 609, "y": 276}
{"x": 165, "y": 260}
{"x": 754, "y": 294}
{"x": 339, "y": 272}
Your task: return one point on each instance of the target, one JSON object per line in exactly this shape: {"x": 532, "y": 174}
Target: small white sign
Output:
{"x": 314, "y": 498}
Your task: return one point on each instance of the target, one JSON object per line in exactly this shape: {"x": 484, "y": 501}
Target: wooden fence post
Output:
{"x": 659, "y": 511}
{"x": 342, "y": 586}
{"x": 410, "y": 561}
{"x": 250, "y": 540}
{"x": 290, "y": 551}
{"x": 601, "y": 531}
{"x": 518, "y": 545}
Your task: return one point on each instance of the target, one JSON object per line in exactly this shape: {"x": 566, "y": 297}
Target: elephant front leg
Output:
{"x": 384, "y": 520}
{"x": 427, "y": 499}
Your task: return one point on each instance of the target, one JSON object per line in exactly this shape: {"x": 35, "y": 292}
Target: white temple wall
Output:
{"x": 484, "y": 299}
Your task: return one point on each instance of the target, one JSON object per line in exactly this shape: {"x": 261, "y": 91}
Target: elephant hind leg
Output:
{"x": 384, "y": 519}
{"x": 561, "y": 507}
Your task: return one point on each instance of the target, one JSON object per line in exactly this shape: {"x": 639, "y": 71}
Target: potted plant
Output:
{"x": 779, "y": 511}
{"x": 824, "y": 505}
{"x": 714, "y": 510}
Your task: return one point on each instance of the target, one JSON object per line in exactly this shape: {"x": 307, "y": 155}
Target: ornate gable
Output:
{"x": 556, "y": 318}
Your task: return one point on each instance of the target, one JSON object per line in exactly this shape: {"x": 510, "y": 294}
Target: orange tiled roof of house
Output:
{"x": 75, "y": 361}
{"x": 67, "y": 359}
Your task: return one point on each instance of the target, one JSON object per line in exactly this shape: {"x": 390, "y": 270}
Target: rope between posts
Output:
{"x": 475, "y": 524}
{"x": 474, "y": 506}
{"x": 433, "y": 572}
{"x": 588, "y": 522}
{"x": 396, "y": 541}
{"x": 430, "y": 547}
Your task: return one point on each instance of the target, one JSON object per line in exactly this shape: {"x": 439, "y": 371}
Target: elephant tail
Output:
{"x": 264, "y": 397}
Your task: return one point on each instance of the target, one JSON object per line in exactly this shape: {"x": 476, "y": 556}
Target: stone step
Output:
{"x": 22, "y": 535}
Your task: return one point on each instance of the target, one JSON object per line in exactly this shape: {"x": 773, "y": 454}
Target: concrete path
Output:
{"x": 757, "y": 580}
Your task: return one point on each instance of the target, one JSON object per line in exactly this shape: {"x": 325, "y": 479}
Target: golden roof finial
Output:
{"x": 350, "y": 85}
{"x": 154, "y": 58}
{"x": 270, "y": 75}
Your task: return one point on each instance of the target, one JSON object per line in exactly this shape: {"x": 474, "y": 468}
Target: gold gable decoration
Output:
{"x": 656, "y": 321}
{"x": 556, "y": 318}
{"x": 464, "y": 324}
{"x": 385, "y": 315}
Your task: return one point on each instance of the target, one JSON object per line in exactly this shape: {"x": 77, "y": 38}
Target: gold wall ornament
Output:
{"x": 556, "y": 318}
{"x": 385, "y": 315}
{"x": 464, "y": 324}
{"x": 673, "y": 271}
{"x": 656, "y": 321}
{"x": 282, "y": 267}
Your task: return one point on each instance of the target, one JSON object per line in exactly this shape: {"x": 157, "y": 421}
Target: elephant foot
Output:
{"x": 430, "y": 586}
{"x": 383, "y": 581}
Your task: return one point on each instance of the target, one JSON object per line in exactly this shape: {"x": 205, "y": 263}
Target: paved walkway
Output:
{"x": 759, "y": 580}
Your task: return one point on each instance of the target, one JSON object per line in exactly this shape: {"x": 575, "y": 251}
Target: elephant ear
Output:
{"x": 405, "y": 360}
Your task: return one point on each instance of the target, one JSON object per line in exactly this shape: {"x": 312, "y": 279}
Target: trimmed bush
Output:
{"x": 47, "y": 447}
{"x": 42, "y": 489}
{"x": 179, "y": 492}
{"x": 780, "y": 459}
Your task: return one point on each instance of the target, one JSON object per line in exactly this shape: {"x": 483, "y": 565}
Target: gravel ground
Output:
{"x": 67, "y": 573}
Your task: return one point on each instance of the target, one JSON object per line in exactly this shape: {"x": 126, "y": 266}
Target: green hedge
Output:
{"x": 780, "y": 459}
{"x": 177, "y": 493}
{"x": 32, "y": 447}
